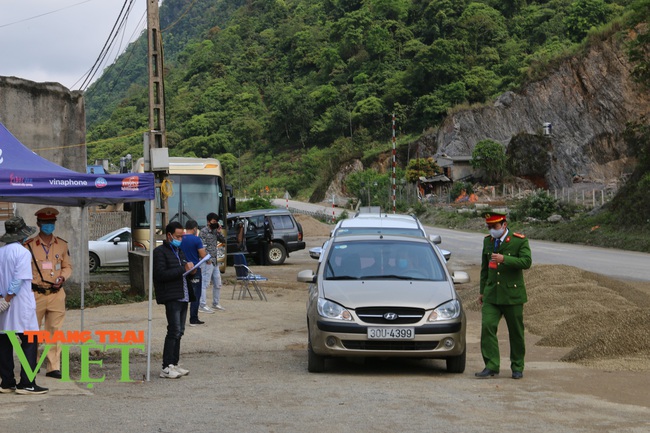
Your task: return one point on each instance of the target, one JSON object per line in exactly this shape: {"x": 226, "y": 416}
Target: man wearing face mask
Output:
{"x": 174, "y": 291}
{"x": 503, "y": 294}
{"x": 51, "y": 267}
{"x": 211, "y": 237}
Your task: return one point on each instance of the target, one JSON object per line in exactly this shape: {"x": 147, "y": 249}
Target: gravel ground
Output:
{"x": 249, "y": 372}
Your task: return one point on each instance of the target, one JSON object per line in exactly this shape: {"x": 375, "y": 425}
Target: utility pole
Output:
{"x": 155, "y": 149}
{"x": 156, "y": 157}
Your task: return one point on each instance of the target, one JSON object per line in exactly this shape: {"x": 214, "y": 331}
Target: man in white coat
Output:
{"x": 17, "y": 308}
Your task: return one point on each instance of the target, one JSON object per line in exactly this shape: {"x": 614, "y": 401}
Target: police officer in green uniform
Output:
{"x": 503, "y": 294}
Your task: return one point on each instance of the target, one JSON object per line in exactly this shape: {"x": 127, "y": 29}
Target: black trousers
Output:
{"x": 176, "y": 312}
{"x": 7, "y": 360}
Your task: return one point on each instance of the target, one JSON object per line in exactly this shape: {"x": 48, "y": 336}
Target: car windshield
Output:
{"x": 348, "y": 231}
{"x": 200, "y": 196}
{"x": 383, "y": 259}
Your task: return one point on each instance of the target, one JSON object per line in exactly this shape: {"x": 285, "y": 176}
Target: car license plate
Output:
{"x": 388, "y": 333}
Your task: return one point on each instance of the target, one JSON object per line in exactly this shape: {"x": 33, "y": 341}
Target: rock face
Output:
{"x": 336, "y": 189}
{"x": 587, "y": 99}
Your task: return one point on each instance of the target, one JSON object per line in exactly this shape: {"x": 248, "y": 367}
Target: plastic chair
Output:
{"x": 246, "y": 278}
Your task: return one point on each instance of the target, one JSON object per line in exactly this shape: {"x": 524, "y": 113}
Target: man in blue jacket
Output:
{"x": 173, "y": 290}
{"x": 194, "y": 251}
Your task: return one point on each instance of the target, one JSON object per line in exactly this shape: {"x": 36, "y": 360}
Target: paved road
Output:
{"x": 465, "y": 248}
{"x": 629, "y": 265}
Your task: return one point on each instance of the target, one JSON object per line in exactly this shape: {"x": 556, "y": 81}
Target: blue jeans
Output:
{"x": 194, "y": 306}
{"x": 176, "y": 312}
{"x": 210, "y": 273}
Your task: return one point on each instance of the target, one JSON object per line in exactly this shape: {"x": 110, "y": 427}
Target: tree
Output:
{"x": 583, "y": 15}
{"x": 489, "y": 156}
{"x": 481, "y": 84}
{"x": 483, "y": 26}
{"x": 421, "y": 167}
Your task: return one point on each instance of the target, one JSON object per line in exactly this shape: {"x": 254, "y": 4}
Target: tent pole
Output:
{"x": 152, "y": 245}
{"x": 83, "y": 247}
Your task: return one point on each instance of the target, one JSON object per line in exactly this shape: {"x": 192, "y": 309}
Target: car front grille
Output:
{"x": 378, "y": 315}
{"x": 389, "y": 345}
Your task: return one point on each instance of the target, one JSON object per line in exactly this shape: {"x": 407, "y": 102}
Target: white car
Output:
{"x": 382, "y": 223}
{"x": 111, "y": 249}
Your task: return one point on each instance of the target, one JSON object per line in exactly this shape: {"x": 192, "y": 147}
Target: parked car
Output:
{"x": 384, "y": 223}
{"x": 111, "y": 249}
{"x": 378, "y": 295}
{"x": 247, "y": 232}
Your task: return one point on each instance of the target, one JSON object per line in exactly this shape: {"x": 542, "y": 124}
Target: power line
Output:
{"x": 42, "y": 15}
{"x": 120, "y": 22}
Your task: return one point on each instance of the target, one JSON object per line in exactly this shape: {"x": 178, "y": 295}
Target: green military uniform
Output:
{"x": 504, "y": 294}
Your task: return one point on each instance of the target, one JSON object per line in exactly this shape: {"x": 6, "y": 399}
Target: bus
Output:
{"x": 197, "y": 188}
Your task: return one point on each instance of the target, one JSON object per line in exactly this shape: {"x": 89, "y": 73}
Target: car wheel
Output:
{"x": 93, "y": 262}
{"x": 315, "y": 362}
{"x": 277, "y": 254}
{"x": 456, "y": 364}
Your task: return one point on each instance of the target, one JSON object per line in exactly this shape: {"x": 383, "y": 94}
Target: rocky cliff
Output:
{"x": 588, "y": 99}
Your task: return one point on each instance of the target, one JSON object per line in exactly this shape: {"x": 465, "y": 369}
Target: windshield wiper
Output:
{"x": 389, "y": 277}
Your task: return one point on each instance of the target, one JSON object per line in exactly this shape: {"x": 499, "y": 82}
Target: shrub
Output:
{"x": 539, "y": 205}
{"x": 458, "y": 188}
{"x": 256, "y": 202}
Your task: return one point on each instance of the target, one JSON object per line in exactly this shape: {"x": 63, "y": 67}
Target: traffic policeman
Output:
{"x": 503, "y": 294}
{"x": 51, "y": 267}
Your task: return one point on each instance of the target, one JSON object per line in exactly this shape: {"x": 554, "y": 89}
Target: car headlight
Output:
{"x": 332, "y": 310}
{"x": 448, "y": 310}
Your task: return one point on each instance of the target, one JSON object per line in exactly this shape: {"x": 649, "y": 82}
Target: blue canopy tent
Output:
{"x": 26, "y": 177}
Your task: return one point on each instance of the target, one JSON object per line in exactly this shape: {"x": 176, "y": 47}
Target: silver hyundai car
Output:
{"x": 384, "y": 296}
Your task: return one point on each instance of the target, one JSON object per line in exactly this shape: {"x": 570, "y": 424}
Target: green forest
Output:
{"x": 284, "y": 92}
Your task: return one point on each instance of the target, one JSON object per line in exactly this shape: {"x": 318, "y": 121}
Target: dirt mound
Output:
{"x": 603, "y": 321}
{"x": 312, "y": 227}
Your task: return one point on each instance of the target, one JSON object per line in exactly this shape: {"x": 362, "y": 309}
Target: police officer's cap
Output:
{"x": 47, "y": 214}
{"x": 494, "y": 217}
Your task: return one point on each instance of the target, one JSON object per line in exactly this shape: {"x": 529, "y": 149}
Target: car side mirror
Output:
{"x": 436, "y": 239}
{"x": 460, "y": 277}
{"x": 315, "y": 252}
{"x": 306, "y": 276}
{"x": 116, "y": 240}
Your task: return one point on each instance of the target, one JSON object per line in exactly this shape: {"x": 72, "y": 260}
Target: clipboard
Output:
{"x": 203, "y": 260}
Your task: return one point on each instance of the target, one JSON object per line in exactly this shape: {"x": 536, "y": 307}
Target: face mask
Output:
{"x": 47, "y": 229}
{"x": 496, "y": 234}
{"x": 402, "y": 263}
{"x": 214, "y": 226}
{"x": 176, "y": 243}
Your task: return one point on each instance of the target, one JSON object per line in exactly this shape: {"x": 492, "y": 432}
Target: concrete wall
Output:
{"x": 50, "y": 120}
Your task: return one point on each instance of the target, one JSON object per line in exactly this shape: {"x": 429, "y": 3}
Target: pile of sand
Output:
{"x": 312, "y": 227}
{"x": 601, "y": 320}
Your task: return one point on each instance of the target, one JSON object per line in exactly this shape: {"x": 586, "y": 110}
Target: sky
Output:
{"x": 60, "y": 40}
